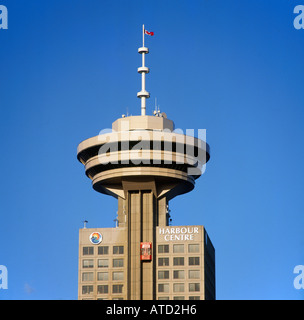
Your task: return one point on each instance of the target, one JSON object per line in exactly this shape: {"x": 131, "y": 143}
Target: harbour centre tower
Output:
{"x": 144, "y": 163}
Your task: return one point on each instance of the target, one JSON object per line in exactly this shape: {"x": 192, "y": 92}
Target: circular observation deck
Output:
{"x": 143, "y": 148}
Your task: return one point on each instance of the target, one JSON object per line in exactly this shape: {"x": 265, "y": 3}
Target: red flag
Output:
{"x": 149, "y": 33}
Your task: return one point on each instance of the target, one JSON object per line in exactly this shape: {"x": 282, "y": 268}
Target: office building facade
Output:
{"x": 183, "y": 259}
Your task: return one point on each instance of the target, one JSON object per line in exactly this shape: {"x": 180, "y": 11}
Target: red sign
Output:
{"x": 146, "y": 251}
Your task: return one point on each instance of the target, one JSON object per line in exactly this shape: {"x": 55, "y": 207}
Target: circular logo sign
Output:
{"x": 95, "y": 237}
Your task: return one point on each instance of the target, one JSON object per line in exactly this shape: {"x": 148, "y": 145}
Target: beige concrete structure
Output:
{"x": 183, "y": 266}
{"x": 143, "y": 163}
{"x": 185, "y": 261}
{"x": 102, "y": 267}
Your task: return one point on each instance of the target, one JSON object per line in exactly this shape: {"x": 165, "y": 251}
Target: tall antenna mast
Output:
{"x": 143, "y": 94}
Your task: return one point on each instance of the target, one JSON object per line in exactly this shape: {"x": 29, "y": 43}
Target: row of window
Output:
{"x": 102, "y": 289}
{"x": 102, "y": 263}
{"x": 162, "y": 248}
{"x": 178, "y": 274}
{"x": 179, "y": 261}
{"x": 180, "y": 298}
{"x": 159, "y": 298}
{"x": 162, "y": 262}
{"x": 178, "y": 287}
{"x": 178, "y": 248}
{"x": 102, "y": 250}
{"x": 103, "y": 276}
{"x": 162, "y": 275}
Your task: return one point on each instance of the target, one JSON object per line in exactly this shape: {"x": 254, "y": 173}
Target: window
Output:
{"x": 178, "y": 261}
{"x": 87, "y": 276}
{"x": 103, "y": 288}
{"x": 193, "y": 248}
{"x": 163, "y": 298}
{"x": 117, "y": 263}
{"x": 87, "y": 263}
{"x": 103, "y": 250}
{"x": 178, "y": 248}
{"x": 103, "y": 263}
{"x": 194, "y": 298}
{"x": 194, "y": 274}
{"x": 194, "y": 261}
{"x": 163, "y": 248}
{"x": 163, "y": 287}
{"x": 163, "y": 274}
{"x": 194, "y": 287}
{"x": 87, "y": 289}
{"x": 178, "y": 274}
{"x": 179, "y": 298}
{"x": 102, "y": 276}
{"x": 163, "y": 262}
{"x": 178, "y": 287}
{"x": 87, "y": 251}
{"x": 118, "y": 275}
{"x": 118, "y": 250}
{"x": 117, "y": 288}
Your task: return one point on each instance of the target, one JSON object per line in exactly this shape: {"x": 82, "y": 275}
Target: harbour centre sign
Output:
{"x": 186, "y": 233}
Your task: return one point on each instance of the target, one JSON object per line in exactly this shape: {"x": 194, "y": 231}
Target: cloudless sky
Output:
{"x": 234, "y": 68}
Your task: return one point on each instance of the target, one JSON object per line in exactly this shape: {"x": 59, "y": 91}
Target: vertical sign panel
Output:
{"x": 146, "y": 251}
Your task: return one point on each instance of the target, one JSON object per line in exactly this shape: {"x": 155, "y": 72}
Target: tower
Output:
{"x": 144, "y": 164}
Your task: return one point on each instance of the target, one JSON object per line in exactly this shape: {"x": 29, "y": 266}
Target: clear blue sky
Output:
{"x": 235, "y": 68}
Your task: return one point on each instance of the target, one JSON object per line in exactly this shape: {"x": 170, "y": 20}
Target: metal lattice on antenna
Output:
{"x": 143, "y": 94}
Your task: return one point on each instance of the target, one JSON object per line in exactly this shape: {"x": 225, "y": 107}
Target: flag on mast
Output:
{"x": 149, "y": 33}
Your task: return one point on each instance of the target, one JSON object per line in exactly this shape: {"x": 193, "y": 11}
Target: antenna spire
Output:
{"x": 143, "y": 94}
